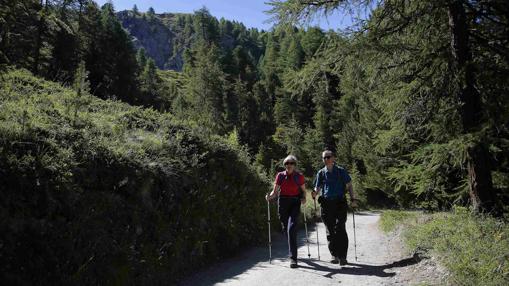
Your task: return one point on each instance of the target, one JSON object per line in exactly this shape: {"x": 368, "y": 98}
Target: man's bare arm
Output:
{"x": 349, "y": 187}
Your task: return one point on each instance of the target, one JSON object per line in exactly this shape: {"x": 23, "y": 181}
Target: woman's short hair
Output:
{"x": 290, "y": 158}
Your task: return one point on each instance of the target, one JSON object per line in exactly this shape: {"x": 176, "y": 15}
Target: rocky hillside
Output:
{"x": 156, "y": 36}
{"x": 166, "y": 36}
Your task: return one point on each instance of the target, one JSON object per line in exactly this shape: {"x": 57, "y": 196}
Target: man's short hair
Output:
{"x": 328, "y": 152}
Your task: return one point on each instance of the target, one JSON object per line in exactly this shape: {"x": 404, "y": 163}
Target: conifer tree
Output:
{"x": 421, "y": 77}
{"x": 150, "y": 83}
{"x": 151, "y": 13}
{"x": 81, "y": 86}
{"x": 141, "y": 58}
{"x": 206, "y": 87}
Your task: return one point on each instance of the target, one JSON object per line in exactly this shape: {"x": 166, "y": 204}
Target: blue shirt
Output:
{"x": 332, "y": 183}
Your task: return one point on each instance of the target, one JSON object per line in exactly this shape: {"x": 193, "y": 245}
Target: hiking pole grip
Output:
{"x": 317, "y": 241}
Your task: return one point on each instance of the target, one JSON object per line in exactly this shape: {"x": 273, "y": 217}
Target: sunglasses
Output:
{"x": 327, "y": 157}
{"x": 289, "y": 163}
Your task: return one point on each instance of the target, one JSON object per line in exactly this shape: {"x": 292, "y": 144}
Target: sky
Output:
{"x": 249, "y": 12}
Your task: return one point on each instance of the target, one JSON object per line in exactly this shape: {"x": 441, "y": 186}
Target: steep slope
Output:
{"x": 97, "y": 192}
{"x": 154, "y": 36}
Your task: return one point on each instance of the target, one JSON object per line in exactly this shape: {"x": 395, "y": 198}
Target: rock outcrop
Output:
{"x": 156, "y": 36}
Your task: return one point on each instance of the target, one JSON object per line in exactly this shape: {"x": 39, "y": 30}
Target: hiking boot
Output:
{"x": 334, "y": 260}
{"x": 343, "y": 261}
{"x": 293, "y": 263}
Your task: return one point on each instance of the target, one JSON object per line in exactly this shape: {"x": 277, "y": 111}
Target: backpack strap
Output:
{"x": 341, "y": 180}
{"x": 279, "y": 178}
{"x": 321, "y": 176}
{"x": 296, "y": 176}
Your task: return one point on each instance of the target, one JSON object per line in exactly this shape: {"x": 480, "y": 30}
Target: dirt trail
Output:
{"x": 381, "y": 261}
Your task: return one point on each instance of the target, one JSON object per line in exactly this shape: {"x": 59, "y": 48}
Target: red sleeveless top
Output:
{"x": 288, "y": 183}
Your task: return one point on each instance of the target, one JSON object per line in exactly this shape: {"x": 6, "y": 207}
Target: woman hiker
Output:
{"x": 333, "y": 181}
{"x": 289, "y": 187}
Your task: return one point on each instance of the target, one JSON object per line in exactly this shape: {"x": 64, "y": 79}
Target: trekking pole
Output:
{"x": 317, "y": 241}
{"x": 354, "y": 236}
{"x": 268, "y": 222}
{"x": 306, "y": 227}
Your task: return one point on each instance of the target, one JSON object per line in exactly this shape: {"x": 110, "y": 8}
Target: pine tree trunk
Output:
{"x": 38, "y": 41}
{"x": 331, "y": 93}
{"x": 80, "y": 15}
{"x": 478, "y": 164}
{"x": 482, "y": 194}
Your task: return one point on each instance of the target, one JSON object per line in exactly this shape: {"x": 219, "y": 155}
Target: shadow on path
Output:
{"x": 251, "y": 267}
{"x": 361, "y": 269}
{"x": 230, "y": 268}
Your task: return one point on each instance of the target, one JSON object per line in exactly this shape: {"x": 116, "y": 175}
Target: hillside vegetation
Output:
{"x": 100, "y": 192}
{"x": 472, "y": 248}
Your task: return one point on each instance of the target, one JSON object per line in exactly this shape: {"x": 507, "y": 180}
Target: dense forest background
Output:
{"x": 413, "y": 100}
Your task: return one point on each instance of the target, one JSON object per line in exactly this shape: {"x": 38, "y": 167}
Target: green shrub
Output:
{"x": 390, "y": 219}
{"x": 111, "y": 194}
{"x": 475, "y": 249}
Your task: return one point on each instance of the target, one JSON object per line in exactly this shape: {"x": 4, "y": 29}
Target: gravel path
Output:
{"x": 381, "y": 261}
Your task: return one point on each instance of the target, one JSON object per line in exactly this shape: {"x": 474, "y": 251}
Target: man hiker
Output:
{"x": 333, "y": 181}
{"x": 289, "y": 186}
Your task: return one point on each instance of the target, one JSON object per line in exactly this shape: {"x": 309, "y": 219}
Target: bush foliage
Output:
{"x": 474, "y": 248}
{"x": 99, "y": 192}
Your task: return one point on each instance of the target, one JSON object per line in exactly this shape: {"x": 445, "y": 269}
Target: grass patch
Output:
{"x": 474, "y": 248}
{"x": 391, "y": 219}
